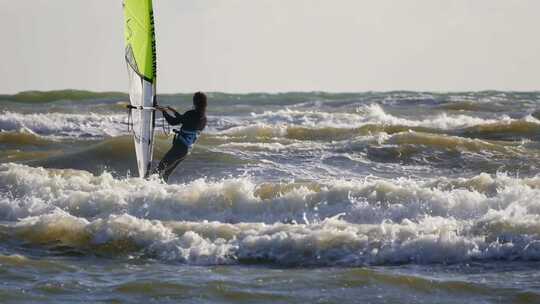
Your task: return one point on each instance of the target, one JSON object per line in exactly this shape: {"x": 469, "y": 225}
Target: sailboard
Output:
{"x": 140, "y": 54}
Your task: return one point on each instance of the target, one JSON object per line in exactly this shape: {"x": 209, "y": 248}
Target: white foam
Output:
{"x": 62, "y": 125}
{"x": 374, "y": 113}
{"x": 149, "y": 237}
{"x": 368, "y": 114}
{"x": 33, "y": 191}
{"x": 351, "y": 222}
{"x": 269, "y": 124}
{"x": 312, "y": 119}
{"x": 330, "y": 242}
{"x": 272, "y": 124}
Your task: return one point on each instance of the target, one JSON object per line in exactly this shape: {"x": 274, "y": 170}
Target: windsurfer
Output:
{"x": 193, "y": 123}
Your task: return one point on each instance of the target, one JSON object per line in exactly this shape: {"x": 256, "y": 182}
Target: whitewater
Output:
{"x": 411, "y": 197}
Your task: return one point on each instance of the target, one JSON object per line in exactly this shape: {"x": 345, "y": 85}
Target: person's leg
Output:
{"x": 168, "y": 158}
{"x": 182, "y": 153}
{"x": 172, "y": 158}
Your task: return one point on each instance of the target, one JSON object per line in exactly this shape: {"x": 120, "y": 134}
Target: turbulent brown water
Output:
{"x": 408, "y": 197}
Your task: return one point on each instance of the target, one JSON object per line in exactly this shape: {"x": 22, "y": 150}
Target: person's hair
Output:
{"x": 200, "y": 102}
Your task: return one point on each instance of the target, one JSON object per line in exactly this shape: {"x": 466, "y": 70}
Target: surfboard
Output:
{"x": 140, "y": 55}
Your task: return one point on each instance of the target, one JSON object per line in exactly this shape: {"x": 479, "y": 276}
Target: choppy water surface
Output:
{"x": 288, "y": 198}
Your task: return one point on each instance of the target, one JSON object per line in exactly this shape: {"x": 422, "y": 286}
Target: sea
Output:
{"x": 374, "y": 197}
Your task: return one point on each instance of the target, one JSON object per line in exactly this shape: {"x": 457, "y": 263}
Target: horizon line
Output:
{"x": 279, "y": 92}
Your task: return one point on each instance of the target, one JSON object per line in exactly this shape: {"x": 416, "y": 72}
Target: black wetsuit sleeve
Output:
{"x": 173, "y": 120}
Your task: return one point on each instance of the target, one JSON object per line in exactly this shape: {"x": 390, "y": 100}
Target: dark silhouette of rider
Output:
{"x": 193, "y": 122}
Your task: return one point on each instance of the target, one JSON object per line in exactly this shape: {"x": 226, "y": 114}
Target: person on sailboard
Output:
{"x": 193, "y": 122}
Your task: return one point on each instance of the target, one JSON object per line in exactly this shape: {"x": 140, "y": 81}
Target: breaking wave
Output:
{"x": 236, "y": 220}
{"x": 292, "y": 124}
{"x": 369, "y": 114}
{"x": 62, "y": 125}
{"x": 312, "y": 125}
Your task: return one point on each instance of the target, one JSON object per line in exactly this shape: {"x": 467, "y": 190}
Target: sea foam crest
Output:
{"x": 65, "y": 125}
{"x": 29, "y": 191}
{"x": 372, "y": 221}
{"x": 368, "y": 114}
{"x": 374, "y": 113}
{"x": 282, "y": 123}
{"x": 330, "y": 242}
{"x": 298, "y": 123}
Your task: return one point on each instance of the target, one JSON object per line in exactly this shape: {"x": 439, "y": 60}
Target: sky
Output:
{"x": 278, "y": 45}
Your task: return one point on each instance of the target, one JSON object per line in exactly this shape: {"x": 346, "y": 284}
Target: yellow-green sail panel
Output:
{"x": 140, "y": 37}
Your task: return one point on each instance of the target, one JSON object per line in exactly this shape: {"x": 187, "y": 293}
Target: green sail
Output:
{"x": 140, "y": 38}
{"x": 141, "y": 68}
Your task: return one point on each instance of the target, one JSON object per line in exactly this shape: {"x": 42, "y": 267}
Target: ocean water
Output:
{"x": 396, "y": 197}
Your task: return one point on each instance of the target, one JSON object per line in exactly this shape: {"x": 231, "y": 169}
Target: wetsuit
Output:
{"x": 193, "y": 122}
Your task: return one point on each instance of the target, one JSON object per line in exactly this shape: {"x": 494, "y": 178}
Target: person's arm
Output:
{"x": 172, "y": 120}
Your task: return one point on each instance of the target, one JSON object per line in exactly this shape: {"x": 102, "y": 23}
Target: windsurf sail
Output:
{"x": 141, "y": 65}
